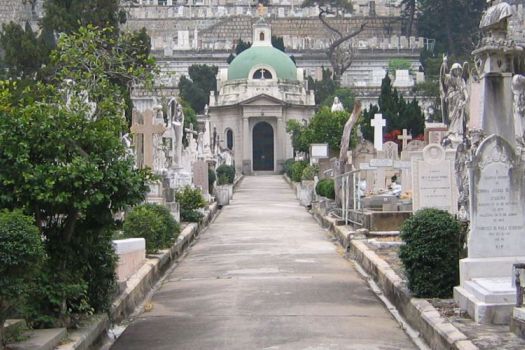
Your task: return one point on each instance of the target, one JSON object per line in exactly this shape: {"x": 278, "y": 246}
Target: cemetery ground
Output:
{"x": 264, "y": 275}
{"x": 440, "y": 322}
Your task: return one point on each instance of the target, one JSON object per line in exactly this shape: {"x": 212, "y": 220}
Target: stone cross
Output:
{"x": 405, "y": 137}
{"x": 147, "y": 129}
{"x": 378, "y": 123}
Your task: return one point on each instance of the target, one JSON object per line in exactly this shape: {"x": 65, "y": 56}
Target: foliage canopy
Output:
{"x": 399, "y": 113}
{"x": 62, "y": 161}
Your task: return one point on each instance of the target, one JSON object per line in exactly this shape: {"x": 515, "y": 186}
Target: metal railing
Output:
{"x": 518, "y": 270}
{"x": 346, "y": 186}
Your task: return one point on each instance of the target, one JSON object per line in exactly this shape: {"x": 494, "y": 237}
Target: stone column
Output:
{"x": 280, "y": 143}
{"x": 246, "y": 154}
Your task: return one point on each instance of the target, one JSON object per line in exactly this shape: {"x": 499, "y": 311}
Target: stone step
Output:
{"x": 40, "y": 339}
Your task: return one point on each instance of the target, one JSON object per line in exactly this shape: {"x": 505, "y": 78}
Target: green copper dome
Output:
{"x": 262, "y": 55}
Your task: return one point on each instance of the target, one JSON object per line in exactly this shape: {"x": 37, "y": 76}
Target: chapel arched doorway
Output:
{"x": 263, "y": 147}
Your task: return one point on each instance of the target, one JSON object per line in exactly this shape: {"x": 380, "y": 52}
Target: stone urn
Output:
{"x": 305, "y": 192}
{"x": 222, "y": 193}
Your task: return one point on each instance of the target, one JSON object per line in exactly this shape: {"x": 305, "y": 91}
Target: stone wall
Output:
{"x": 298, "y": 33}
{"x": 222, "y": 8}
{"x": 14, "y": 10}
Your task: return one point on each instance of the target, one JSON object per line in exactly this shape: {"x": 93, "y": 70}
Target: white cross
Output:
{"x": 378, "y": 123}
{"x": 405, "y": 137}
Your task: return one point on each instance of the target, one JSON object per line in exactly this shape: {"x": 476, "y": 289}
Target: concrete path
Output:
{"x": 264, "y": 276}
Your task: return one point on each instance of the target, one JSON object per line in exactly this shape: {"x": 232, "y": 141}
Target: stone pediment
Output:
{"x": 262, "y": 100}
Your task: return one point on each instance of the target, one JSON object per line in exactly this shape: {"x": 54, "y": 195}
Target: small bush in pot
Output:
{"x": 431, "y": 253}
{"x": 310, "y": 172}
{"x": 226, "y": 173}
{"x": 297, "y": 170}
{"x": 326, "y": 188}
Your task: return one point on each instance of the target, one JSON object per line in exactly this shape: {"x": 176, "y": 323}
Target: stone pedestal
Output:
{"x": 496, "y": 239}
{"x": 486, "y": 291}
{"x": 131, "y": 256}
{"x": 491, "y": 109}
{"x": 155, "y": 194}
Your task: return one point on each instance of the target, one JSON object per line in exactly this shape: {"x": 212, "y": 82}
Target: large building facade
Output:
{"x": 260, "y": 91}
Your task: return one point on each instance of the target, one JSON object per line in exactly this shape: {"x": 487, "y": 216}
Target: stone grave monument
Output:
{"x": 200, "y": 177}
{"x": 496, "y": 239}
{"x": 433, "y": 179}
{"x": 490, "y": 171}
{"x": 378, "y": 123}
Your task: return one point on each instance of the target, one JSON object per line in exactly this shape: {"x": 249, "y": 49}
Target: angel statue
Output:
{"x": 454, "y": 99}
{"x": 337, "y": 106}
{"x": 518, "y": 91}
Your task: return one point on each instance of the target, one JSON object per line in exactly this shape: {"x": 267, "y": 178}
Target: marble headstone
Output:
{"x": 200, "y": 175}
{"x": 433, "y": 180}
{"x": 496, "y": 239}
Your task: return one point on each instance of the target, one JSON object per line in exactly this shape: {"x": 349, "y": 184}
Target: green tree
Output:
{"x": 297, "y": 132}
{"x": 241, "y": 46}
{"x": 345, "y": 95}
{"x": 278, "y": 43}
{"x": 190, "y": 118}
{"x": 21, "y": 253}
{"x": 453, "y": 24}
{"x": 196, "y": 90}
{"x": 28, "y": 59}
{"x": 62, "y": 161}
{"x": 24, "y": 52}
{"x": 399, "y": 113}
{"x": 323, "y": 88}
{"x": 325, "y": 127}
{"x": 66, "y": 16}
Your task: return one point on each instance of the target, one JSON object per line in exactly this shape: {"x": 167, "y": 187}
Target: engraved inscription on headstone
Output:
{"x": 497, "y": 210}
{"x": 432, "y": 180}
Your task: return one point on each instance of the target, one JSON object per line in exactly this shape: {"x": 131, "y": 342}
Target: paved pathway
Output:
{"x": 264, "y": 276}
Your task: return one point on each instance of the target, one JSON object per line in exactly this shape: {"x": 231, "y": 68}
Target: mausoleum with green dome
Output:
{"x": 256, "y": 96}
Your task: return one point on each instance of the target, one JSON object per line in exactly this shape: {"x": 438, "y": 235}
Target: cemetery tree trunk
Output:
{"x": 340, "y": 52}
{"x": 343, "y": 150}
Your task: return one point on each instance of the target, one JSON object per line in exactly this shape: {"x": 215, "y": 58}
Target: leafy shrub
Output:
{"x": 226, "y": 174}
{"x": 211, "y": 179}
{"x": 297, "y": 170}
{"x": 287, "y": 167}
{"x": 154, "y": 223}
{"x": 310, "y": 172}
{"x": 21, "y": 254}
{"x": 190, "y": 199}
{"x": 326, "y": 188}
{"x": 431, "y": 253}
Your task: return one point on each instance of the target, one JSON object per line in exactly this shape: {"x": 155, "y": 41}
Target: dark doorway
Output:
{"x": 263, "y": 147}
{"x": 229, "y": 139}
